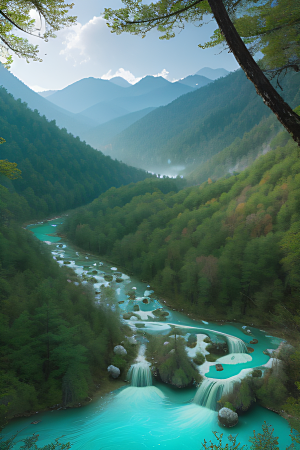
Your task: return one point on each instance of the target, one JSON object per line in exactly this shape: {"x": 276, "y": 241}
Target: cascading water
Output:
{"x": 211, "y": 390}
{"x": 139, "y": 373}
{"x": 236, "y": 345}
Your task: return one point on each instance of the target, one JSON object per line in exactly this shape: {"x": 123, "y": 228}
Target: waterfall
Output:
{"x": 212, "y": 389}
{"x": 236, "y": 345}
{"x": 139, "y": 373}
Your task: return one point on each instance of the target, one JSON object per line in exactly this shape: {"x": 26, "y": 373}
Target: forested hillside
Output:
{"x": 196, "y": 126}
{"x": 220, "y": 249}
{"x": 102, "y": 134}
{"x": 224, "y": 250}
{"x": 239, "y": 155}
{"x": 59, "y": 171}
{"x": 55, "y": 343}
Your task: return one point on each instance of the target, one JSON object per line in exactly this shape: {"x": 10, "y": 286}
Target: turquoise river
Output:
{"x": 154, "y": 416}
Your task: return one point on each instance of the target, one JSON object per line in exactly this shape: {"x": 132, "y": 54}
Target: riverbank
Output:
{"x": 105, "y": 386}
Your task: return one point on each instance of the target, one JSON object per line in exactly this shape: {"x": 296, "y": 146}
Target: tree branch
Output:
{"x": 16, "y": 25}
{"x": 289, "y": 119}
{"x": 154, "y": 19}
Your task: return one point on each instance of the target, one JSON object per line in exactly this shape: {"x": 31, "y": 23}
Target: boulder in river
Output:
{"x": 120, "y": 350}
{"x": 227, "y": 418}
{"x": 113, "y": 371}
{"x": 133, "y": 318}
{"x": 254, "y": 341}
{"x": 126, "y": 316}
{"x": 219, "y": 367}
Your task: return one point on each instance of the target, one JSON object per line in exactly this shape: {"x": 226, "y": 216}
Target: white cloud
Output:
{"x": 80, "y": 40}
{"x": 126, "y": 74}
{"x": 132, "y": 79}
{"x": 164, "y": 73}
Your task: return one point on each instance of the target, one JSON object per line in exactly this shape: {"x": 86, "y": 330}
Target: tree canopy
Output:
{"x": 52, "y": 15}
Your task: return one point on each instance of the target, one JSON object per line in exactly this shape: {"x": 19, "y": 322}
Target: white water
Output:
{"x": 211, "y": 390}
{"x": 139, "y": 373}
{"x": 235, "y": 345}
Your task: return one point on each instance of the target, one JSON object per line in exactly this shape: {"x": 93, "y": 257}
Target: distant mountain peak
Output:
{"x": 212, "y": 74}
{"x": 120, "y": 81}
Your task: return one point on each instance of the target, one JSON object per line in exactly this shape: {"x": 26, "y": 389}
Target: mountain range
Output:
{"x": 196, "y": 126}
{"x": 85, "y": 104}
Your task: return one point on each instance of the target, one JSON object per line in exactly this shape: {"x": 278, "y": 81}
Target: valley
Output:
{"x": 150, "y": 228}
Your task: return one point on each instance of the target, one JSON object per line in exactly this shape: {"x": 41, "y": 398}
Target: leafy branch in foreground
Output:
{"x": 259, "y": 441}
{"x": 51, "y": 16}
{"x": 29, "y": 443}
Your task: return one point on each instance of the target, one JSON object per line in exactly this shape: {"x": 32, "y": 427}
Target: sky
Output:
{"x": 89, "y": 49}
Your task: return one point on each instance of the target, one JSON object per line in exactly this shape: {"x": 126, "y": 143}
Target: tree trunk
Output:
{"x": 289, "y": 119}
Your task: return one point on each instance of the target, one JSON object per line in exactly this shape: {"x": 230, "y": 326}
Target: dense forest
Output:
{"x": 198, "y": 125}
{"x": 58, "y": 171}
{"x": 55, "y": 343}
{"x": 216, "y": 247}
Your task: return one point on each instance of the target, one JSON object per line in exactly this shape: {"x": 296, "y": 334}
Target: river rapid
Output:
{"x": 159, "y": 416}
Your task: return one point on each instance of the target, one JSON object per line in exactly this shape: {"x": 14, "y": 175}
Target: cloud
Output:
{"x": 126, "y": 74}
{"x": 80, "y": 40}
{"x": 164, "y": 73}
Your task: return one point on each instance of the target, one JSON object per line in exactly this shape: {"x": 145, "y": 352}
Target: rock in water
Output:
{"x": 113, "y": 371}
{"x": 120, "y": 350}
{"x": 227, "y": 418}
{"x": 132, "y": 340}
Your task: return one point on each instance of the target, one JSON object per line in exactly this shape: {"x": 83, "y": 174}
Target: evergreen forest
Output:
{"x": 59, "y": 172}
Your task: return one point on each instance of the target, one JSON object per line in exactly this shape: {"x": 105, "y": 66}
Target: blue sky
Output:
{"x": 89, "y": 49}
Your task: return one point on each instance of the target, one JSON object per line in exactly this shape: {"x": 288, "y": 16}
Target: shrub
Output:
{"x": 199, "y": 358}
{"x": 211, "y": 358}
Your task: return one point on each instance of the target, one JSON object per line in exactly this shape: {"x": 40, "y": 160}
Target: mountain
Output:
{"x": 212, "y": 74}
{"x": 103, "y": 112}
{"x": 84, "y": 93}
{"x": 102, "y": 134}
{"x": 194, "y": 127}
{"x": 147, "y": 84}
{"x": 58, "y": 171}
{"x": 46, "y": 94}
{"x": 82, "y": 96}
{"x": 63, "y": 118}
{"x": 120, "y": 82}
{"x": 135, "y": 102}
{"x": 195, "y": 81}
